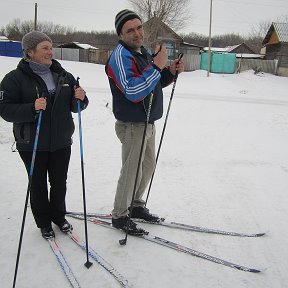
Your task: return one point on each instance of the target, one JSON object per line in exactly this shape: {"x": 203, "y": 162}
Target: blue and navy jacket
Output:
{"x": 132, "y": 77}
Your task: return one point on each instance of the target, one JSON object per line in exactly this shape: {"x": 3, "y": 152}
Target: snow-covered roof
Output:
{"x": 3, "y": 38}
{"x": 247, "y": 55}
{"x": 76, "y": 45}
{"x": 230, "y": 48}
{"x": 217, "y": 49}
{"x": 190, "y": 44}
{"x": 85, "y": 46}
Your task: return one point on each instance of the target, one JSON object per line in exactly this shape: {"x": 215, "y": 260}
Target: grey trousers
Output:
{"x": 130, "y": 135}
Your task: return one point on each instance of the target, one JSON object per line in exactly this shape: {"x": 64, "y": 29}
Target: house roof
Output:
{"x": 3, "y": 38}
{"x": 77, "y": 45}
{"x": 231, "y": 49}
{"x": 216, "y": 49}
{"x": 281, "y": 30}
{"x": 190, "y": 45}
{"x": 170, "y": 34}
{"x": 251, "y": 56}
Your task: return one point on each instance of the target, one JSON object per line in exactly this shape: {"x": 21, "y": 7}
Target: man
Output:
{"x": 134, "y": 78}
{"x": 40, "y": 83}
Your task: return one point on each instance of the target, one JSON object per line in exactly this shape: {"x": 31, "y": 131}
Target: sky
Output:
{"x": 228, "y": 16}
{"x": 223, "y": 164}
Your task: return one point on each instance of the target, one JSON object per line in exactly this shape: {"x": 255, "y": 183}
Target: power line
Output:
{"x": 257, "y": 4}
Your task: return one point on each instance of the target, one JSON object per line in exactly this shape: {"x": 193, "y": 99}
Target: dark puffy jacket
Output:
{"x": 132, "y": 77}
{"x": 19, "y": 90}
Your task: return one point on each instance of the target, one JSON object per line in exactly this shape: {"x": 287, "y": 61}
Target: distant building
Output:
{"x": 3, "y": 38}
{"x": 275, "y": 46}
{"x": 76, "y": 51}
{"x": 77, "y": 45}
{"x": 10, "y": 48}
{"x": 241, "y": 50}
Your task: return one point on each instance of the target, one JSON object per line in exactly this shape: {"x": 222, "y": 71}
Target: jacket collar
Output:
{"x": 133, "y": 52}
{"x": 55, "y": 66}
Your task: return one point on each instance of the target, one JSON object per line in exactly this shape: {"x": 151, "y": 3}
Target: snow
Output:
{"x": 85, "y": 46}
{"x": 223, "y": 164}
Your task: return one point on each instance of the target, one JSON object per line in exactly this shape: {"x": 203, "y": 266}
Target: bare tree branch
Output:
{"x": 175, "y": 13}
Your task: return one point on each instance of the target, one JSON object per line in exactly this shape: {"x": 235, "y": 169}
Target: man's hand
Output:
{"x": 177, "y": 65}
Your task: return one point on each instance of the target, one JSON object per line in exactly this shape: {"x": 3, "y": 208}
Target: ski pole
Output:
{"x": 124, "y": 241}
{"x": 28, "y": 191}
{"x": 88, "y": 264}
{"x": 164, "y": 128}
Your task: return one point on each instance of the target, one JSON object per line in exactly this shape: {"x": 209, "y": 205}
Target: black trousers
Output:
{"x": 47, "y": 208}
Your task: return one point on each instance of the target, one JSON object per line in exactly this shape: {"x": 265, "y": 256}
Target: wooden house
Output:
{"x": 275, "y": 46}
{"x": 157, "y": 32}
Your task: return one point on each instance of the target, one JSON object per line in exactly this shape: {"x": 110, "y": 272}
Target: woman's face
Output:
{"x": 42, "y": 53}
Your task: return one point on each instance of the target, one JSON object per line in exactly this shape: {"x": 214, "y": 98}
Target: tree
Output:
{"x": 13, "y": 30}
{"x": 16, "y": 29}
{"x": 175, "y": 13}
{"x": 260, "y": 29}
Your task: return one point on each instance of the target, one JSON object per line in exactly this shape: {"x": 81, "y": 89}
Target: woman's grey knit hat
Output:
{"x": 32, "y": 39}
{"x": 122, "y": 17}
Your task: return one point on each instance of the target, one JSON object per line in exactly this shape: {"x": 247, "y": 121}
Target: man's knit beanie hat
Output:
{"x": 122, "y": 17}
{"x": 32, "y": 39}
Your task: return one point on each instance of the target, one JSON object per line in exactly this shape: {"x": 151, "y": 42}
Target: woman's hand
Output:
{"x": 79, "y": 93}
{"x": 40, "y": 104}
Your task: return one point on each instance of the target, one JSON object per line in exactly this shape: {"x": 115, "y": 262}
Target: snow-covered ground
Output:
{"x": 223, "y": 164}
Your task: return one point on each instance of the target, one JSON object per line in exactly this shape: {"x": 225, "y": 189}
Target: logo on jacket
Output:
{"x": 1, "y": 95}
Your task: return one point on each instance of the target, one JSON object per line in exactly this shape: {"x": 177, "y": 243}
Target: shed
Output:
{"x": 76, "y": 51}
{"x": 275, "y": 46}
{"x": 77, "y": 45}
{"x": 241, "y": 50}
{"x": 10, "y": 48}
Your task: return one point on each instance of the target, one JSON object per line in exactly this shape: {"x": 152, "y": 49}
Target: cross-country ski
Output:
{"x": 63, "y": 263}
{"x": 98, "y": 259}
{"x": 176, "y": 246}
{"x": 173, "y": 224}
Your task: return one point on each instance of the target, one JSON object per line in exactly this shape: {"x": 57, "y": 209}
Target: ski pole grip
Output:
{"x": 180, "y": 57}
{"x": 77, "y": 82}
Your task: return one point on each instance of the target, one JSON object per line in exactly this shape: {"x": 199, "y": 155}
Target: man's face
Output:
{"x": 42, "y": 53}
{"x": 132, "y": 34}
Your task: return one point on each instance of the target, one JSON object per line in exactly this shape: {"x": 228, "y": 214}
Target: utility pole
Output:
{"x": 209, "y": 49}
{"x": 35, "y": 17}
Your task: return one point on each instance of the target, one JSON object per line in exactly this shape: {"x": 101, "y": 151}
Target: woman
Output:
{"x": 40, "y": 83}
